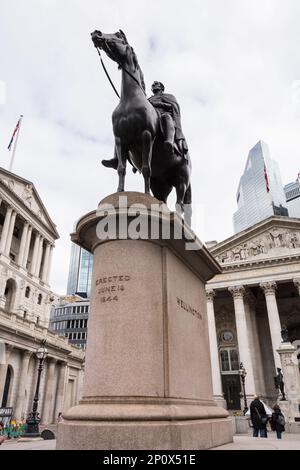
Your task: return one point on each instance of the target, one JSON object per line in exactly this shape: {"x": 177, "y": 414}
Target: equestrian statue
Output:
{"x": 147, "y": 131}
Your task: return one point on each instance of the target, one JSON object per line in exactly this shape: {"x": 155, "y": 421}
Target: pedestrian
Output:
{"x": 60, "y": 417}
{"x": 259, "y": 417}
{"x": 278, "y": 421}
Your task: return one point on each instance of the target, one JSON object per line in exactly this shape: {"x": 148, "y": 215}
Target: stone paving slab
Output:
{"x": 241, "y": 442}
{"x": 247, "y": 442}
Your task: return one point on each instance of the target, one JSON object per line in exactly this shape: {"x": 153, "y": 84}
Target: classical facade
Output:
{"x": 254, "y": 298}
{"x": 27, "y": 236}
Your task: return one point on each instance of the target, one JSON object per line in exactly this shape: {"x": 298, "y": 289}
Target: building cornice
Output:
{"x": 28, "y": 332}
{"x": 6, "y": 188}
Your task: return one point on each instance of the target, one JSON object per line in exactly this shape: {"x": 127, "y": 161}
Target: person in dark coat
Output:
{"x": 277, "y": 421}
{"x": 258, "y": 417}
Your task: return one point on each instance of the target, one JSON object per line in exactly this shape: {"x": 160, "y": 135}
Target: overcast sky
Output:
{"x": 234, "y": 66}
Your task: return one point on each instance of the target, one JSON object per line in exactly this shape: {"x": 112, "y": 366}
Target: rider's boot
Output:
{"x": 168, "y": 133}
{"x": 112, "y": 163}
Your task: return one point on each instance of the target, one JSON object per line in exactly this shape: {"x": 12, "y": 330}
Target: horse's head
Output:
{"x": 114, "y": 45}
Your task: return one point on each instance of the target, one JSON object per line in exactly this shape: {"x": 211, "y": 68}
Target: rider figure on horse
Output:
{"x": 170, "y": 120}
{"x": 170, "y": 124}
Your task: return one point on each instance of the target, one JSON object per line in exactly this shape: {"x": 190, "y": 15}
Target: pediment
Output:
{"x": 274, "y": 239}
{"x": 28, "y": 195}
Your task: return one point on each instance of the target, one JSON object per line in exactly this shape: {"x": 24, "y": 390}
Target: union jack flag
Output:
{"x": 266, "y": 178}
{"x": 15, "y": 132}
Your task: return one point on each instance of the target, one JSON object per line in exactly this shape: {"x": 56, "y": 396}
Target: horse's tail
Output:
{"x": 188, "y": 195}
{"x": 187, "y": 200}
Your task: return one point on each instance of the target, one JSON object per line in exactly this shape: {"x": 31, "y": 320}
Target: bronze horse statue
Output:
{"x": 137, "y": 130}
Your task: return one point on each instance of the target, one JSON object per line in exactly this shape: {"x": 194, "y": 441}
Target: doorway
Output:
{"x": 232, "y": 388}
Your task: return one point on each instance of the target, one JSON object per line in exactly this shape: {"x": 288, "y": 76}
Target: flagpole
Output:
{"x": 15, "y": 145}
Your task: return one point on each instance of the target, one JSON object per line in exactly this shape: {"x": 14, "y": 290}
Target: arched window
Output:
{"x": 10, "y": 292}
{"x": 40, "y": 297}
{"x": 7, "y": 387}
{"x": 27, "y": 292}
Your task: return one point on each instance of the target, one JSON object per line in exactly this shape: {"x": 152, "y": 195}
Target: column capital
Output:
{"x": 210, "y": 294}
{"x": 268, "y": 287}
{"x": 26, "y": 352}
{"x": 296, "y": 282}
{"x": 237, "y": 292}
{"x": 51, "y": 360}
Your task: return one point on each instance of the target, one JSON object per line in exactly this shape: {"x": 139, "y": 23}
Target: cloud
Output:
{"x": 233, "y": 66}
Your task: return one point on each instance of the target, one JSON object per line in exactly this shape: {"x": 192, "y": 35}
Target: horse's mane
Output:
{"x": 138, "y": 68}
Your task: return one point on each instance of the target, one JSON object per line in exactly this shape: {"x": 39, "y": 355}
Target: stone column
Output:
{"x": 269, "y": 289}
{"x": 259, "y": 379}
{"x": 10, "y": 233}
{"x": 19, "y": 411}
{"x": 291, "y": 377}
{"x": 47, "y": 416}
{"x": 297, "y": 284}
{"x": 28, "y": 240}
{"x": 5, "y": 229}
{"x": 49, "y": 264}
{"x": 23, "y": 244}
{"x": 39, "y": 257}
{"x": 35, "y": 253}
{"x": 60, "y": 388}
{"x": 214, "y": 352}
{"x": 46, "y": 262}
{"x": 238, "y": 293}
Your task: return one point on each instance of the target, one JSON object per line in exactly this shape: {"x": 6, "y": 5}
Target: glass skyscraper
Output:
{"x": 80, "y": 272}
{"x": 260, "y": 193}
{"x": 292, "y": 193}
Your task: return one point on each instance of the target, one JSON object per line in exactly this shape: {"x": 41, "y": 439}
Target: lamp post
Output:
{"x": 243, "y": 373}
{"x": 33, "y": 420}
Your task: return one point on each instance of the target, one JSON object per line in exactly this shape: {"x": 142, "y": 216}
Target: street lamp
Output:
{"x": 243, "y": 373}
{"x": 33, "y": 420}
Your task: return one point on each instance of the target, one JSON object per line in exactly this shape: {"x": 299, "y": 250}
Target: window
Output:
{"x": 39, "y": 299}
{"x": 25, "y": 314}
{"x": 27, "y": 292}
{"x": 37, "y": 320}
{"x": 234, "y": 359}
{"x": 229, "y": 360}
{"x": 224, "y": 360}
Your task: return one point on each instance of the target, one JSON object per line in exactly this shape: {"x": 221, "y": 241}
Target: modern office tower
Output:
{"x": 292, "y": 193}
{"x": 69, "y": 319}
{"x": 80, "y": 272}
{"x": 260, "y": 193}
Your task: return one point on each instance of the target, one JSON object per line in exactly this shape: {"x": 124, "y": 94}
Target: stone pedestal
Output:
{"x": 291, "y": 377}
{"x": 148, "y": 379}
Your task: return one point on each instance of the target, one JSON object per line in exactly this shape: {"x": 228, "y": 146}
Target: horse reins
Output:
{"x": 107, "y": 74}
{"x": 123, "y": 68}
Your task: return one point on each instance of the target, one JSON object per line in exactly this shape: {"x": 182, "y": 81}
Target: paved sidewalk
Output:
{"x": 247, "y": 442}
{"x": 241, "y": 442}
{"x": 13, "y": 444}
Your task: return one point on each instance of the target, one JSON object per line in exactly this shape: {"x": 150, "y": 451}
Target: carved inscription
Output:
{"x": 188, "y": 308}
{"x": 111, "y": 287}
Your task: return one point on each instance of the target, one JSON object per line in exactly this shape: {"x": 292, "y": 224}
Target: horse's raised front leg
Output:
{"x": 122, "y": 157}
{"x": 147, "y": 143}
